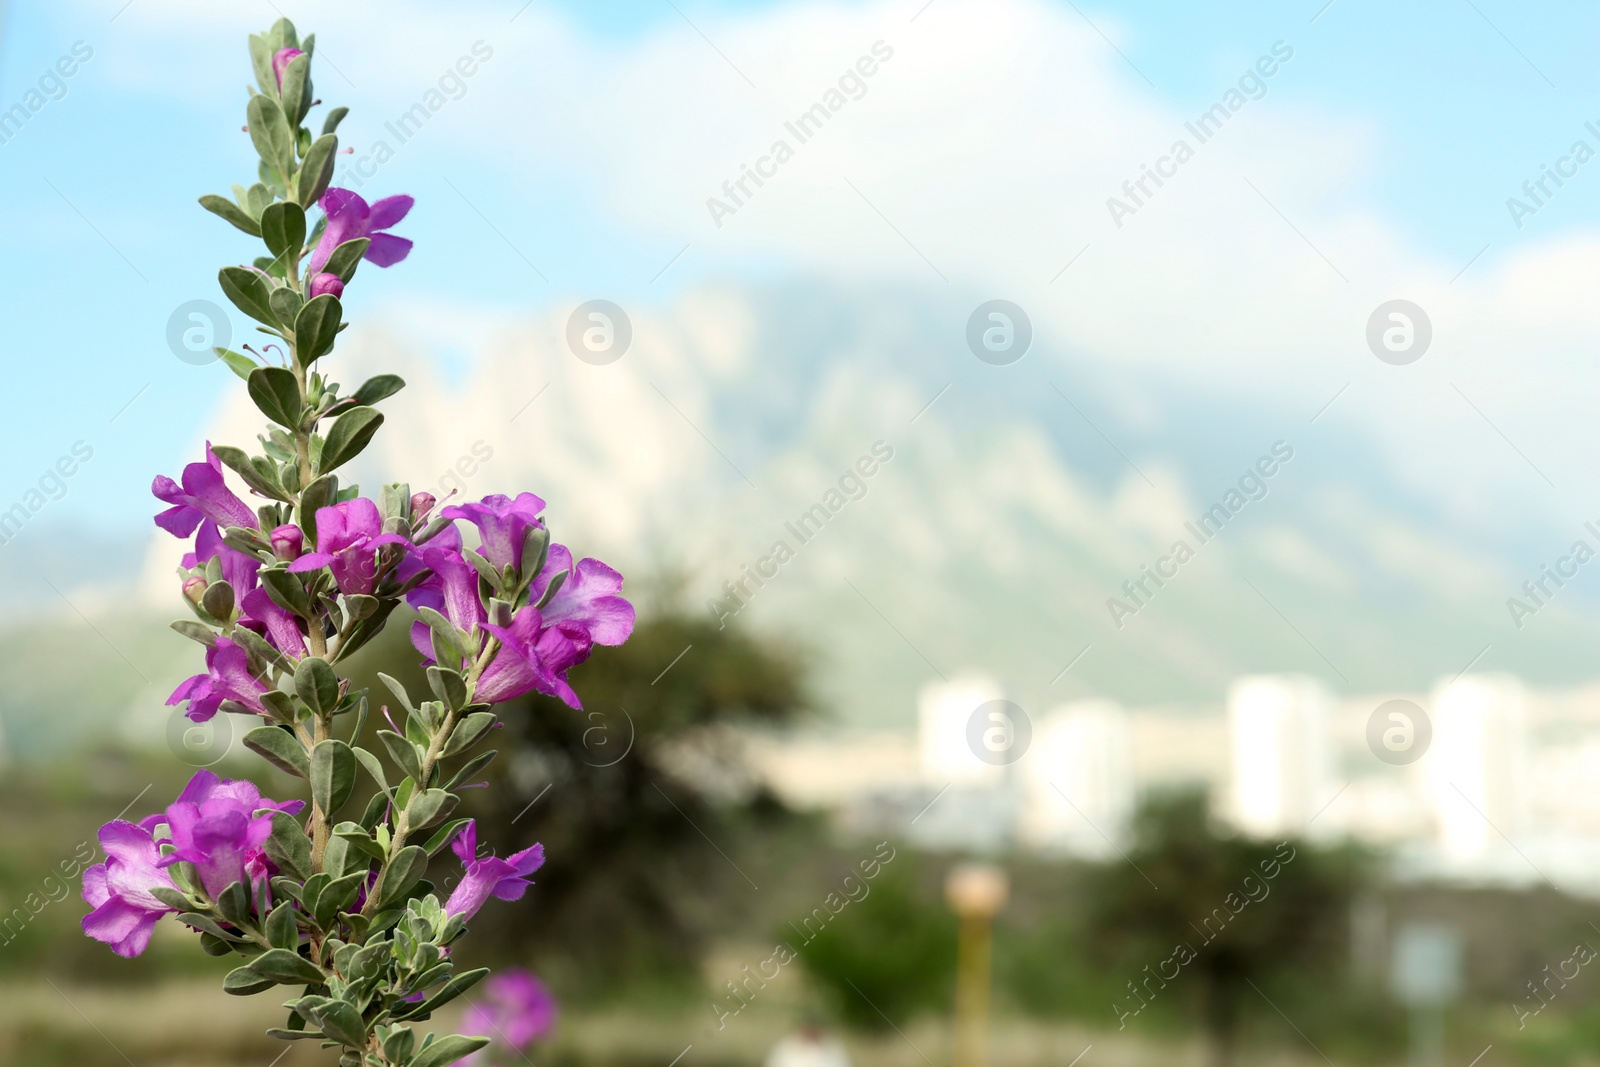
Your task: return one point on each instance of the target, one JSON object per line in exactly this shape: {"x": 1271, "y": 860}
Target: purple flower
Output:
{"x": 281, "y": 60}
{"x": 348, "y": 538}
{"x": 118, "y": 890}
{"x": 489, "y": 876}
{"x": 514, "y": 1005}
{"x": 326, "y": 283}
{"x": 227, "y": 677}
{"x": 350, "y": 217}
{"x": 587, "y": 600}
{"x": 238, "y": 569}
{"x": 502, "y": 524}
{"x": 220, "y": 827}
{"x": 214, "y": 824}
{"x": 288, "y": 542}
{"x": 203, "y": 495}
{"x": 278, "y": 625}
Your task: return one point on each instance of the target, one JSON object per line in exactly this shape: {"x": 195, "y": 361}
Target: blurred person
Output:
{"x": 808, "y": 1046}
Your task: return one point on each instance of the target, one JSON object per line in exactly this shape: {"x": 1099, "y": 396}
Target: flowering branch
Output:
{"x": 283, "y": 593}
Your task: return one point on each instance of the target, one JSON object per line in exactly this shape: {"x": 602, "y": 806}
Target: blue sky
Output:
{"x": 1451, "y": 104}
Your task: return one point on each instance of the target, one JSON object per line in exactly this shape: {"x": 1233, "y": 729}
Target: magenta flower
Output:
{"x": 350, "y": 217}
{"x": 326, "y": 283}
{"x": 348, "y": 538}
{"x": 220, "y": 827}
{"x": 587, "y": 601}
{"x": 288, "y": 542}
{"x": 489, "y": 876}
{"x": 214, "y": 824}
{"x": 515, "y": 1006}
{"x": 125, "y": 912}
{"x": 238, "y": 569}
{"x": 502, "y": 524}
{"x": 203, "y": 495}
{"x": 227, "y": 677}
{"x": 281, "y": 60}
{"x": 278, "y": 625}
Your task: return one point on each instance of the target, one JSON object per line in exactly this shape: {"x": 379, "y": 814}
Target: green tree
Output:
{"x": 888, "y": 956}
{"x": 1214, "y": 920}
{"x": 624, "y": 795}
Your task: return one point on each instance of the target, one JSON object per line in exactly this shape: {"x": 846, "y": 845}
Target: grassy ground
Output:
{"x": 187, "y": 1023}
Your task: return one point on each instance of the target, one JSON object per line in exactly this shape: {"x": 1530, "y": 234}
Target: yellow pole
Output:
{"x": 975, "y": 892}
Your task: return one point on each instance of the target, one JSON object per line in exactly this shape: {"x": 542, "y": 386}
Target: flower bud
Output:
{"x": 327, "y": 283}
{"x": 287, "y": 543}
{"x": 281, "y": 60}
{"x": 195, "y": 589}
{"x": 421, "y": 504}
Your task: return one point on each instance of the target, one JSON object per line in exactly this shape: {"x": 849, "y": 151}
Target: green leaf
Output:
{"x": 402, "y": 752}
{"x": 286, "y": 967}
{"x": 399, "y": 692}
{"x": 317, "y": 685}
{"x": 341, "y": 1022}
{"x": 446, "y": 641}
{"x": 280, "y": 927}
{"x": 279, "y": 747}
{"x": 257, "y": 646}
{"x": 379, "y": 388}
{"x": 345, "y": 258}
{"x": 237, "y": 362}
{"x": 468, "y": 731}
{"x": 296, "y": 90}
{"x": 360, "y": 839}
{"x": 471, "y": 767}
{"x": 448, "y": 1050}
{"x": 448, "y": 686}
{"x": 443, "y": 836}
{"x": 333, "y": 774}
{"x": 283, "y": 228}
{"x": 289, "y": 847}
{"x": 293, "y": 1035}
{"x": 335, "y": 117}
{"x": 288, "y": 592}
{"x": 238, "y": 461}
{"x": 234, "y": 904}
{"x": 351, "y": 433}
{"x": 374, "y": 768}
{"x": 316, "y": 171}
{"x": 277, "y": 394}
{"x": 261, "y": 59}
{"x": 315, "y": 328}
{"x": 249, "y": 292}
{"x": 206, "y": 925}
{"x": 227, "y": 209}
{"x": 429, "y": 806}
{"x": 196, "y": 631}
{"x": 244, "y": 981}
{"x": 270, "y": 133}
{"x": 404, "y": 871}
{"x": 447, "y": 992}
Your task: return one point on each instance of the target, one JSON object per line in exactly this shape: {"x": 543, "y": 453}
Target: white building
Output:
{"x": 1078, "y": 781}
{"x": 944, "y": 711}
{"x": 1478, "y": 766}
{"x": 1280, "y": 772}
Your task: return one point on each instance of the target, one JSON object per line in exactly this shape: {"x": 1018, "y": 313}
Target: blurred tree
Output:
{"x": 624, "y": 795}
{"x": 1230, "y": 913}
{"x": 888, "y": 955}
